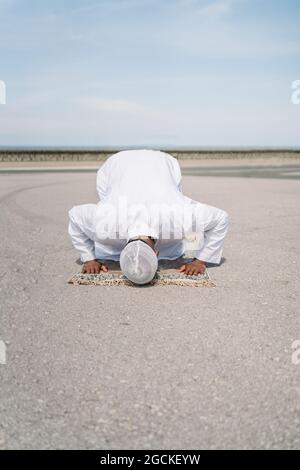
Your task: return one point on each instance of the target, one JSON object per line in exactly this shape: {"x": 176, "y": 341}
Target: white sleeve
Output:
{"x": 81, "y": 230}
{"x": 214, "y": 223}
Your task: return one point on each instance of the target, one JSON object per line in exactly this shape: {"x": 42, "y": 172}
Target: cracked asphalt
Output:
{"x": 150, "y": 368}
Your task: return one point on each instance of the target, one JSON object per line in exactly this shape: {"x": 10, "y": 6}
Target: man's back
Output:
{"x": 141, "y": 176}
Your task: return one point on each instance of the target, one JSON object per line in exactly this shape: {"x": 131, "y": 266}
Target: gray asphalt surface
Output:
{"x": 156, "y": 367}
{"x": 280, "y": 172}
{"x": 291, "y": 171}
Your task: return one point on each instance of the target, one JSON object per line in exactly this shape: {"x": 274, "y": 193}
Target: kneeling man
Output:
{"x": 143, "y": 216}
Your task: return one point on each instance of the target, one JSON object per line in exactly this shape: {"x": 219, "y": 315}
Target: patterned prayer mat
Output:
{"x": 167, "y": 274}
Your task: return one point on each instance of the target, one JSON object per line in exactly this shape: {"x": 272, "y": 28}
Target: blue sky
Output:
{"x": 160, "y": 73}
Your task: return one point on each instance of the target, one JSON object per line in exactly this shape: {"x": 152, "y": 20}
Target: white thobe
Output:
{"x": 149, "y": 179}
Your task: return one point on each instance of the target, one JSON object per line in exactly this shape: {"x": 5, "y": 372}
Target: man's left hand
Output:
{"x": 194, "y": 268}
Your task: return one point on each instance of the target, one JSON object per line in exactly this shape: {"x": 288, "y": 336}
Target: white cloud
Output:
{"x": 218, "y": 8}
{"x": 118, "y": 106}
{"x": 210, "y": 7}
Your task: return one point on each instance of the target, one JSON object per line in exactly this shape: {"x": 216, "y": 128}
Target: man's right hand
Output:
{"x": 93, "y": 267}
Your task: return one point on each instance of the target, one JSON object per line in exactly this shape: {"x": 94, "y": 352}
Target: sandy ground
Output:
{"x": 156, "y": 367}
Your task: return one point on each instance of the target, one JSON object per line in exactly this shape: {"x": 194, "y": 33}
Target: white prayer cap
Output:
{"x": 138, "y": 262}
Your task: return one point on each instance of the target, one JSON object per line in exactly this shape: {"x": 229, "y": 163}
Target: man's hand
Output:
{"x": 194, "y": 268}
{"x": 93, "y": 267}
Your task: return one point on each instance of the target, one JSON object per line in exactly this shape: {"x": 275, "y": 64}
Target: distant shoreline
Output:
{"x": 22, "y": 155}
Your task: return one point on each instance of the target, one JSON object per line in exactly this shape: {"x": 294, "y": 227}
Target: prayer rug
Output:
{"x": 167, "y": 274}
